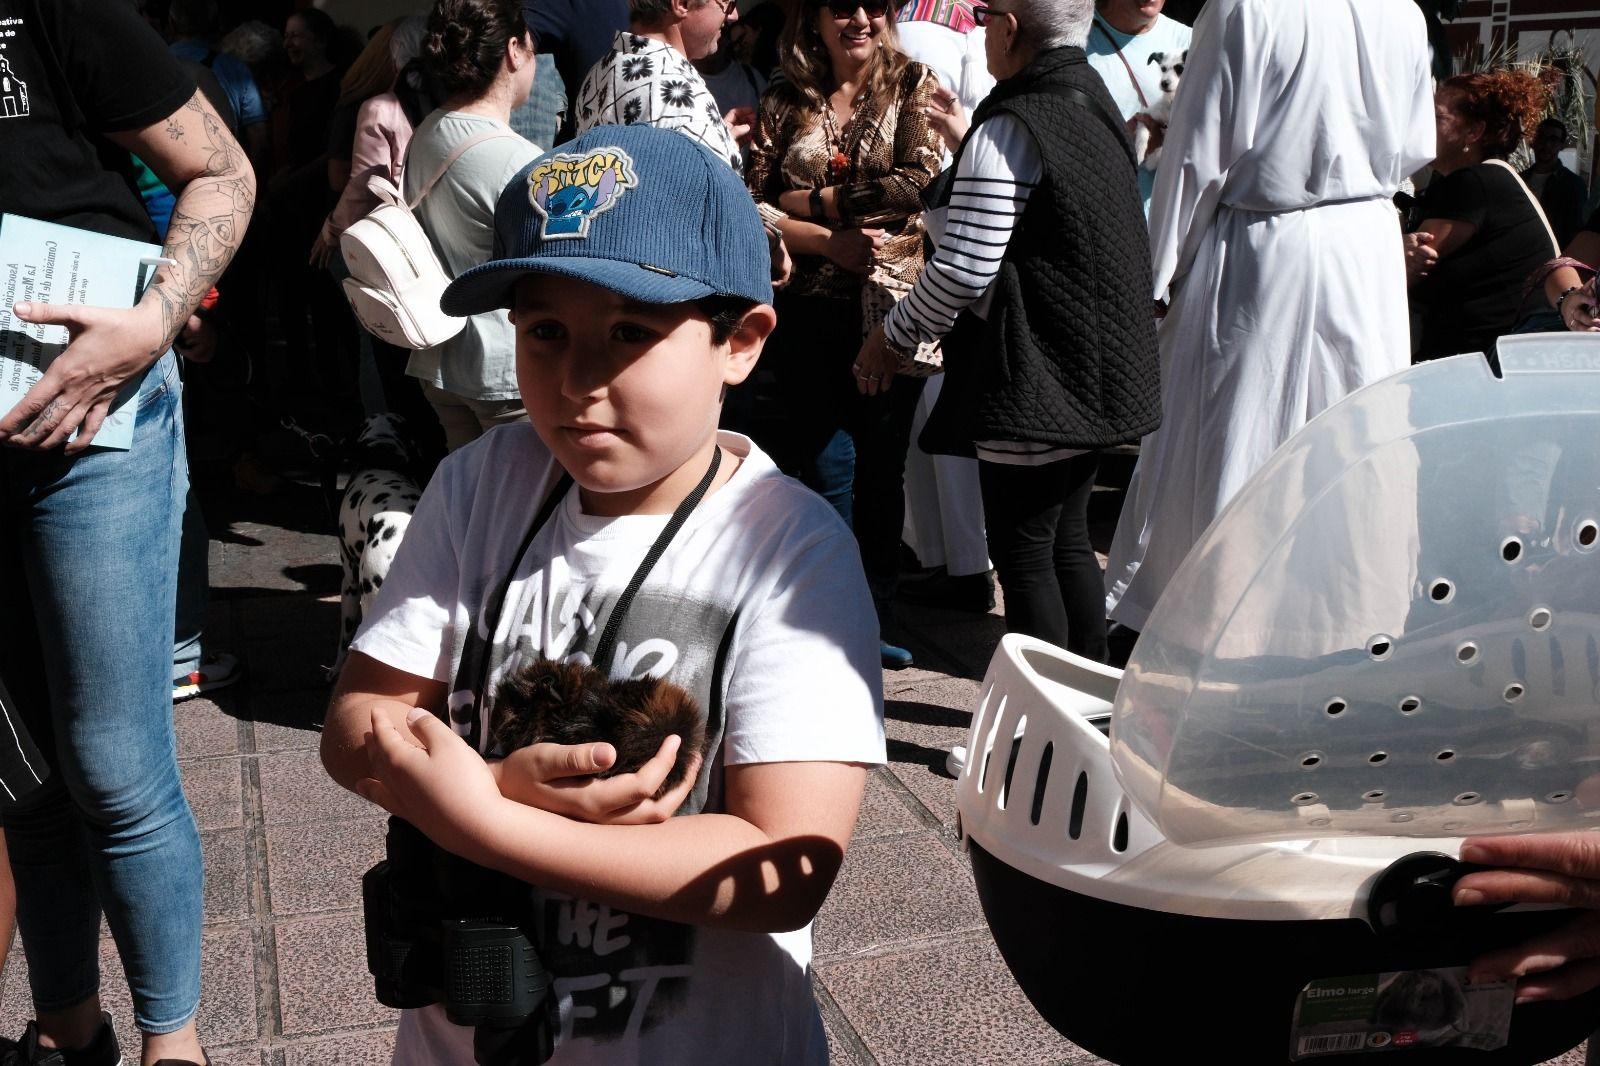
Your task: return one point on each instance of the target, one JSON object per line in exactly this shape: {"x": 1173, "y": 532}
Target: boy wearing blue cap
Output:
{"x": 636, "y": 271}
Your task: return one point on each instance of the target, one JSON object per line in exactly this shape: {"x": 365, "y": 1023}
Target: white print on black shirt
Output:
{"x": 13, "y": 92}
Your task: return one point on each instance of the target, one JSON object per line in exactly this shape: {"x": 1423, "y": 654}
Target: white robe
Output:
{"x": 1273, "y": 235}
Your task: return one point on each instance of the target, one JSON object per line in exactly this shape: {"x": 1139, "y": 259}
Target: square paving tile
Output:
{"x": 289, "y": 663}
{"x": 896, "y": 889}
{"x": 272, "y": 738}
{"x": 374, "y": 1047}
{"x": 883, "y": 811}
{"x": 318, "y": 866}
{"x": 227, "y": 884}
{"x": 298, "y": 711}
{"x": 955, "y": 1003}
{"x": 323, "y": 984}
{"x": 214, "y": 788}
{"x": 920, "y": 736}
{"x": 227, "y": 989}
{"x": 204, "y": 730}
{"x": 296, "y": 789}
{"x": 236, "y": 1056}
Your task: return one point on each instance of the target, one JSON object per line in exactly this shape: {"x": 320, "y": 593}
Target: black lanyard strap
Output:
{"x": 608, "y": 638}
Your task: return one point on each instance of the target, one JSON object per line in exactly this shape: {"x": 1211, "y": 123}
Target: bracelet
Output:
{"x": 818, "y": 212}
{"x": 1563, "y": 297}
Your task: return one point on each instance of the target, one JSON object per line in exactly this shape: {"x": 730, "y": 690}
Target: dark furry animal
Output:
{"x": 566, "y": 703}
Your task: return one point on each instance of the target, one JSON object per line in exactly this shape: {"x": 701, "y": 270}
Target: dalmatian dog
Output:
{"x": 373, "y": 515}
{"x": 1159, "y": 113}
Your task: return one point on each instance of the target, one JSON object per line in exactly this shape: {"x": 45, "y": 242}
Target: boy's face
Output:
{"x": 623, "y": 393}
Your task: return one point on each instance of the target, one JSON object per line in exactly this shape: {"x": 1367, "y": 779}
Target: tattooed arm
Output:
{"x": 193, "y": 153}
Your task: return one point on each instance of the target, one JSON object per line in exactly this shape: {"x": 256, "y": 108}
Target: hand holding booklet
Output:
{"x": 44, "y": 262}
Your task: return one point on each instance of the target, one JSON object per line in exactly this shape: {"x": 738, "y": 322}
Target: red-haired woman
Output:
{"x": 1481, "y": 233}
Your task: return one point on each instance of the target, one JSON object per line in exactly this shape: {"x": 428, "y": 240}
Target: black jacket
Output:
{"x": 1068, "y": 355}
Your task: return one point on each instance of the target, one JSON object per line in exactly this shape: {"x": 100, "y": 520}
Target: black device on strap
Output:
{"x": 608, "y": 636}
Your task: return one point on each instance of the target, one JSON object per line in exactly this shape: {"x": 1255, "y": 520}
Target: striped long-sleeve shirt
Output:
{"x": 998, "y": 171}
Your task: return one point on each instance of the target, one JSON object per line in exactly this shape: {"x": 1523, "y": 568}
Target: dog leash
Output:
{"x": 608, "y": 637}
{"x": 1103, "y": 28}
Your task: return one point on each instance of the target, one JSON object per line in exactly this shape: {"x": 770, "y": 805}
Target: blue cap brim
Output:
{"x": 489, "y": 287}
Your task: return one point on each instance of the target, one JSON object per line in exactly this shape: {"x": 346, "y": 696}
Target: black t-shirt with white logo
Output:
{"x": 70, "y": 72}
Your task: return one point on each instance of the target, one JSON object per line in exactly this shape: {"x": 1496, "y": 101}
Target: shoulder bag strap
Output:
{"x": 1103, "y": 28}
{"x": 459, "y": 151}
{"x": 1534, "y": 200}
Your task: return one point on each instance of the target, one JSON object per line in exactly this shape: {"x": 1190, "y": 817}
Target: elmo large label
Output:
{"x": 1397, "y": 1011}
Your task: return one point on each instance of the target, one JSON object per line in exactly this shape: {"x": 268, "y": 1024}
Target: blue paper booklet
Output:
{"x": 44, "y": 262}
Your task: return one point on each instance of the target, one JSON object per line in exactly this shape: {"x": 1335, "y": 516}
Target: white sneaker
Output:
{"x": 956, "y": 761}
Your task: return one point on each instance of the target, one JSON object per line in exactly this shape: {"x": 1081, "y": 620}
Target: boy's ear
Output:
{"x": 744, "y": 346}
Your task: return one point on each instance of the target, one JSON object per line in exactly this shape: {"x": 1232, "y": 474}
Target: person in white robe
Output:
{"x": 1274, "y": 240}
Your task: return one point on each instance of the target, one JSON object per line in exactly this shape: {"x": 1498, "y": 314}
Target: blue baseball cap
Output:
{"x": 645, "y": 212}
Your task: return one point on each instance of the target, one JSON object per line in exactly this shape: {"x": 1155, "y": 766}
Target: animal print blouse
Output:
{"x": 892, "y": 152}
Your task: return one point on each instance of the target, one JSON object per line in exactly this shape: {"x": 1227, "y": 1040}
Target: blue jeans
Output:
{"x": 89, "y": 587}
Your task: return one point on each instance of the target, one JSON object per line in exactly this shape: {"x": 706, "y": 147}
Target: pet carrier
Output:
{"x": 1244, "y": 844}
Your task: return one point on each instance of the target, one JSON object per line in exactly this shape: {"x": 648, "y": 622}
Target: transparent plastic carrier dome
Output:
{"x": 1394, "y": 629}
{"x": 1388, "y": 640}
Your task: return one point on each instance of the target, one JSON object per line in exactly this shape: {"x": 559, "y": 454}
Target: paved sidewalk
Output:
{"x": 906, "y": 971}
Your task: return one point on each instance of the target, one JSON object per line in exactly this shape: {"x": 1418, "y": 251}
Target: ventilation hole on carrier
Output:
{"x": 1378, "y": 758}
{"x": 1445, "y": 756}
{"x": 1303, "y": 799}
{"x": 1335, "y": 707}
{"x": 1466, "y": 799}
{"x": 1373, "y": 795}
{"x": 1511, "y": 549}
{"x": 1401, "y": 816}
{"x": 1311, "y": 760}
{"x": 1540, "y": 618}
{"x": 1588, "y": 534}
{"x": 1119, "y": 839}
{"x": 1011, "y": 764}
{"x": 1441, "y": 591}
{"x": 1080, "y": 796}
{"x": 1380, "y": 646}
{"x": 1514, "y": 692}
{"x": 1039, "y": 783}
{"x": 1467, "y": 654}
{"x": 1411, "y": 705}
{"x": 1559, "y": 797}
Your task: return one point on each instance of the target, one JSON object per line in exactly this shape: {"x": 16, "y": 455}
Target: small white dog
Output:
{"x": 1159, "y": 112}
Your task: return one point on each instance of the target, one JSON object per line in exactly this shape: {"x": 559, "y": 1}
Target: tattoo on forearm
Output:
{"x": 208, "y": 221}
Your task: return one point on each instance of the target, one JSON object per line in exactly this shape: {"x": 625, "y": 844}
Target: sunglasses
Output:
{"x": 981, "y": 14}
{"x": 845, "y": 9}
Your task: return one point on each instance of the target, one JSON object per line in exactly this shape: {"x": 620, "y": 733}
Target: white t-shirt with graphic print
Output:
{"x": 759, "y": 608}
{"x": 646, "y": 81}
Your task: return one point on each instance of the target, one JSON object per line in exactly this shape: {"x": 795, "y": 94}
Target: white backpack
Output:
{"x": 396, "y": 278}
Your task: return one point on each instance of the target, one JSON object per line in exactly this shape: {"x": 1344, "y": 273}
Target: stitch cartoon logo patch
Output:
{"x": 570, "y": 190}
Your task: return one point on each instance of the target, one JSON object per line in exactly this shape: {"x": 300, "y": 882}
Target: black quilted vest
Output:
{"x": 1068, "y": 356}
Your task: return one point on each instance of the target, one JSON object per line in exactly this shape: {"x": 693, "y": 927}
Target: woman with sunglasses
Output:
{"x": 1050, "y": 352}
{"x": 843, "y": 151}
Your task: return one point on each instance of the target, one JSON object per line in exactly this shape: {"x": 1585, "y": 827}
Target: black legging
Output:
{"x": 1038, "y": 524}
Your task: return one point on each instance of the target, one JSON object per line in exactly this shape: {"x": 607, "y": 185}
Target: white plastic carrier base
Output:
{"x": 1389, "y": 640}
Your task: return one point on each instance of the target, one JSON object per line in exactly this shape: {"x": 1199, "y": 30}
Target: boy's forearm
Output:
{"x": 714, "y": 870}
{"x": 344, "y": 735}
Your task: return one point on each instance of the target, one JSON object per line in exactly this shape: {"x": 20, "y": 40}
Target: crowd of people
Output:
{"x": 906, "y": 254}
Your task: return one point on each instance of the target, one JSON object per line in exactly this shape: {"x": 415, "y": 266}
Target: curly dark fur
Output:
{"x": 565, "y": 703}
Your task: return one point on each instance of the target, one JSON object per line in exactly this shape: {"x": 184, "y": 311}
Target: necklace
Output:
{"x": 839, "y": 162}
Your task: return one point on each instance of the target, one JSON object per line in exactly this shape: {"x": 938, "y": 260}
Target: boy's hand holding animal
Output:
{"x": 560, "y": 778}
{"x": 430, "y": 777}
